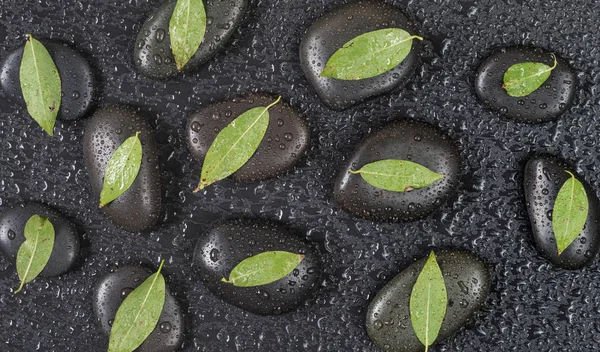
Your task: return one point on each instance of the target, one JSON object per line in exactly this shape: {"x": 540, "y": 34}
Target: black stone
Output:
{"x": 152, "y": 53}
{"x": 285, "y": 141}
{"x": 230, "y": 242}
{"x": 544, "y": 176}
{"x": 112, "y": 290}
{"x": 330, "y": 32}
{"x": 411, "y": 140}
{"x": 66, "y": 240}
{"x": 77, "y": 79}
{"x": 468, "y": 283}
{"x": 545, "y": 104}
{"x": 139, "y": 208}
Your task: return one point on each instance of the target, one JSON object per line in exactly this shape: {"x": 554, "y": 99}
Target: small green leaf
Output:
{"x": 138, "y": 314}
{"x": 235, "y": 145}
{"x": 428, "y": 301}
{"x": 186, "y": 29}
{"x": 525, "y": 78}
{"x": 263, "y": 268}
{"x": 370, "y": 54}
{"x": 40, "y": 84}
{"x": 122, "y": 169}
{"x": 570, "y": 212}
{"x": 397, "y": 175}
{"x": 34, "y": 253}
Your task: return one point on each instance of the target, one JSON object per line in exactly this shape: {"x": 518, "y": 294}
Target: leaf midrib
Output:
{"x": 37, "y": 73}
{"x": 35, "y": 244}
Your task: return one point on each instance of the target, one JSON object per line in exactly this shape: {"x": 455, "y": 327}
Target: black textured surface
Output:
{"x": 533, "y": 306}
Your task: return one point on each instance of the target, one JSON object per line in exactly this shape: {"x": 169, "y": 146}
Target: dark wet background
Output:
{"x": 533, "y": 307}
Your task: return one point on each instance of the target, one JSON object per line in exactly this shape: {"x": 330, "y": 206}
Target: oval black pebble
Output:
{"x": 230, "y": 242}
{"x": 66, "y": 240}
{"x": 77, "y": 79}
{"x": 330, "y": 32}
{"x": 544, "y": 176}
{"x": 285, "y": 141}
{"x": 112, "y": 290}
{"x": 152, "y": 54}
{"x": 468, "y": 283}
{"x": 411, "y": 140}
{"x": 545, "y": 104}
{"x": 139, "y": 208}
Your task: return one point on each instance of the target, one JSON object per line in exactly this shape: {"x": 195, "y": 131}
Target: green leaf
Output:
{"x": 397, "y": 175}
{"x": 138, "y": 314}
{"x": 525, "y": 78}
{"x": 235, "y": 145}
{"x": 186, "y": 29}
{"x": 122, "y": 169}
{"x": 34, "y": 253}
{"x": 40, "y": 84}
{"x": 570, "y": 212}
{"x": 428, "y": 301}
{"x": 370, "y": 54}
{"x": 263, "y": 268}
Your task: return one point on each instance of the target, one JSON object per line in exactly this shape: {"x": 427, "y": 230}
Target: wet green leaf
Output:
{"x": 186, "y": 29}
{"x": 370, "y": 54}
{"x": 122, "y": 169}
{"x": 570, "y": 212}
{"x": 235, "y": 145}
{"x": 263, "y": 268}
{"x": 397, "y": 175}
{"x": 525, "y": 78}
{"x": 428, "y": 301}
{"x": 34, "y": 253}
{"x": 138, "y": 314}
{"x": 40, "y": 84}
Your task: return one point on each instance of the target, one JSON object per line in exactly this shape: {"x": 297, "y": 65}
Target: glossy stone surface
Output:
{"x": 139, "y": 208}
{"x": 545, "y": 104}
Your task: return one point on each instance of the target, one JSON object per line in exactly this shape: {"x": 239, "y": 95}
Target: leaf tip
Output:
{"x": 200, "y": 187}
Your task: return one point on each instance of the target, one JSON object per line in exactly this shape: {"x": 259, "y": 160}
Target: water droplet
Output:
{"x": 165, "y": 327}
{"x": 11, "y": 235}
{"x": 196, "y": 126}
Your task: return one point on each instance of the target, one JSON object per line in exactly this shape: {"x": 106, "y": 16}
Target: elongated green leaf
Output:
{"x": 235, "y": 145}
{"x": 186, "y": 29}
{"x": 34, "y": 253}
{"x": 397, "y": 175}
{"x": 263, "y": 268}
{"x": 40, "y": 84}
{"x": 138, "y": 314}
{"x": 525, "y": 78}
{"x": 428, "y": 301}
{"x": 370, "y": 54}
{"x": 122, "y": 169}
{"x": 570, "y": 212}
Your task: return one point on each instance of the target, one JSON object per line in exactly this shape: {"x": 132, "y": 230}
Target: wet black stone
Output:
{"x": 152, "y": 53}
{"x": 112, "y": 290}
{"x": 411, "y": 140}
{"x": 285, "y": 141}
{"x": 545, "y": 104}
{"x": 230, "y": 242}
{"x": 77, "y": 79}
{"x": 330, "y": 32}
{"x": 66, "y": 240}
{"x": 544, "y": 176}
{"x": 139, "y": 208}
{"x": 468, "y": 283}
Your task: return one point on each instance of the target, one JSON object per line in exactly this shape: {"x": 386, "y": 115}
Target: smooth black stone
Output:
{"x": 112, "y": 290}
{"x": 152, "y": 53}
{"x": 411, "y": 140}
{"x": 545, "y": 104}
{"x": 330, "y": 32}
{"x": 230, "y": 242}
{"x": 77, "y": 79}
{"x": 139, "y": 208}
{"x": 286, "y": 139}
{"x": 66, "y": 240}
{"x": 468, "y": 283}
{"x": 544, "y": 176}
